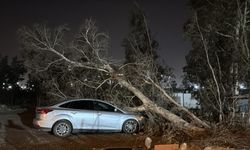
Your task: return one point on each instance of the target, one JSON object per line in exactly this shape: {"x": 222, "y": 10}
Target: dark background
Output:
{"x": 166, "y": 19}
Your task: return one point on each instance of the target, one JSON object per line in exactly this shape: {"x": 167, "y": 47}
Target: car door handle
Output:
{"x": 73, "y": 112}
{"x": 99, "y": 113}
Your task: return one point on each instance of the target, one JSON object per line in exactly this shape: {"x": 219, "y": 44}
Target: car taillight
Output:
{"x": 43, "y": 110}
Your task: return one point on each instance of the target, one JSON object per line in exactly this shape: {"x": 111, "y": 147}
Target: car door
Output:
{"x": 83, "y": 114}
{"x": 107, "y": 116}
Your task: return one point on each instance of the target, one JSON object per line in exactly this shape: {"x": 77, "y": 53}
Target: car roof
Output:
{"x": 85, "y": 99}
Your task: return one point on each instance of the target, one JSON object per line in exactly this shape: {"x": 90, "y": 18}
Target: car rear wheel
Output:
{"x": 130, "y": 126}
{"x": 62, "y": 128}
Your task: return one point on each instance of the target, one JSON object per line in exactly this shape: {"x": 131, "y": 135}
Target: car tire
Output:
{"x": 130, "y": 126}
{"x": 62, "y": 128}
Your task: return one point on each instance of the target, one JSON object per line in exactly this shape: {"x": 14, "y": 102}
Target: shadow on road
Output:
{"x": 27, "y": 117}
{"x": 11, "y": 124}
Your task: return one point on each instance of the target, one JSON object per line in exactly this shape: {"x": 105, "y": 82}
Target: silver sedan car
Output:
{"x": 85, "y": 115}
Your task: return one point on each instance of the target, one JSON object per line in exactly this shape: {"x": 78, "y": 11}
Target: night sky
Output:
{"x": 166, "y": 19}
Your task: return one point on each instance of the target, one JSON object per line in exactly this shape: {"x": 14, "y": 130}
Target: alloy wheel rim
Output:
{"x": 62, "y": 129}
{"x": 130, "y": 126}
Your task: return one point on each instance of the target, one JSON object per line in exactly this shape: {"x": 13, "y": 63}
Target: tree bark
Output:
{"x": 149, "y": 105}
{"x": 219, "y": 101}
{"x": 249, "y": 107}
{"x": 190, "y": 114}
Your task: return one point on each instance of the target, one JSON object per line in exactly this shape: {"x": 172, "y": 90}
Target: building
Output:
{"x": 186, "y": 100}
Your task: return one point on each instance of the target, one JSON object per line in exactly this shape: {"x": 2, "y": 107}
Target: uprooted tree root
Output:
{"x": 225, "y": 136}
{"x": 219, "y": 135}
{"x": 167, "y": 132}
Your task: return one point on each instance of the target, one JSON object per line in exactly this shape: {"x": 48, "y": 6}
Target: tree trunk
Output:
{"x": 149, "y": 105}
{"x": 181, "y": 108}
{"x": 249, "y": 107}
{"x": 204, "y": 42}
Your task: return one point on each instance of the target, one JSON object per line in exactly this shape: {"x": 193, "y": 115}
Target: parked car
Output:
{"x": 85, "y": 115}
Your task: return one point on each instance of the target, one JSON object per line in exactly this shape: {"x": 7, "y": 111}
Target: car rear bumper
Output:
{"x": 39, "y": 125}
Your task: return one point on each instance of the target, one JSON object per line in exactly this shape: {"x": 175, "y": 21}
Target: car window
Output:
{"x": 65, "y": 105}
{"x": 103, "y": 107}
{"x": 86, "y": 105}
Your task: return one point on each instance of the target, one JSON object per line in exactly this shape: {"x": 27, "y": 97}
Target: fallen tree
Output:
{"x": 44, "y": 48}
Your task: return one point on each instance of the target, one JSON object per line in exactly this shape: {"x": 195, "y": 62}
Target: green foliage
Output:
{"x": 217, "y": 21}
{"x": 139, "y": 42}
{"x": 141, "y": 49}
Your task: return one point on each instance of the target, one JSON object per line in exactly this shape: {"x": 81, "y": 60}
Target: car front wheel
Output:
{"x": 62, "y": 128}
{"x": 130, "y": 126}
